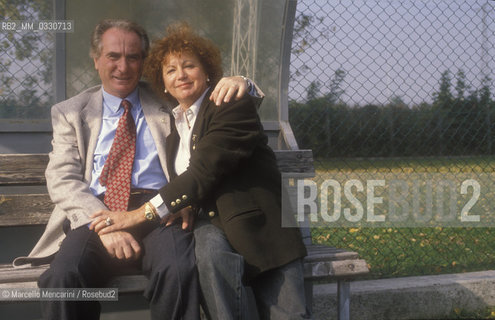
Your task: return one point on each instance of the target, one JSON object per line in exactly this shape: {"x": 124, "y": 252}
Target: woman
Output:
{"x": 225, "y": 170}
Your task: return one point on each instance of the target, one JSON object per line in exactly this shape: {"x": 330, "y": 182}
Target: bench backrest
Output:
{"x": 19, "y": 209}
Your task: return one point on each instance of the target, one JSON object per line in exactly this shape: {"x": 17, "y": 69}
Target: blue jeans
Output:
{"x": 279, "y": 293}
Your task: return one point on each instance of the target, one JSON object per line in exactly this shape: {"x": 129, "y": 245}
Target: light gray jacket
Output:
{"x": 76, "y": 125}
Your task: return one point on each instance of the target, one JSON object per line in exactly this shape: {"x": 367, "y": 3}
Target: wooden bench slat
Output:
{"x": 300, "y": 161}
{"x": 27, "y": 278}
{"x": 19, "y": 285}
{"x": 321, "y": 252}
{"x": 24, "y": 209}
{"x": 313, "y": 270}
{"x": 11, "y": 274}
{"x": 329, "y": 270}
{"x": 24, "y": 169}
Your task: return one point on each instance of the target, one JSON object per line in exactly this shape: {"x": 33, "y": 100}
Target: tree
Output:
{"x": 461, "y": 86}
{"x": 336, "y": 90}
{"x": 313, "y": 90}
{"x": 443, "y": 98}
{"x": 307, "y": 30}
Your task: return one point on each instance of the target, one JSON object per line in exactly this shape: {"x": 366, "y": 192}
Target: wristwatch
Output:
{"x": 149, "y": 212}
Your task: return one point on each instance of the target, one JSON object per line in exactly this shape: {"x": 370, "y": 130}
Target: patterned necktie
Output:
{"x": 116, "y": 173}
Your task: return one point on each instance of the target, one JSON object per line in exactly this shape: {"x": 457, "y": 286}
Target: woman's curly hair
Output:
{"x": 179, "y": 38}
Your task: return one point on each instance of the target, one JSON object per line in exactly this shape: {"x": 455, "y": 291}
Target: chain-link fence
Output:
{"x": 399, "y": 88}
{"x": 26, "y": 60}
{"x": 380, "y": 90}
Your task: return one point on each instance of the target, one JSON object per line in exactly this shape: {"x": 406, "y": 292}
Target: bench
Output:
{"x": 323, "y": 263}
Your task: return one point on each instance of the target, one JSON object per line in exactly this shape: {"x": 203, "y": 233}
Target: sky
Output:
{"x": 397, "y": 47}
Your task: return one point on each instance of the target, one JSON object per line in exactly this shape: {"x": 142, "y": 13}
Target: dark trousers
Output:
{"x": 167, "y": 260}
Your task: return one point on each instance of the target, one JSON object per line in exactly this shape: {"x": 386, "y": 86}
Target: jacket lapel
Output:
{"x": 200, "y": 125}
{"x": 91, "y": 118}
{"x": 172, "y": 146}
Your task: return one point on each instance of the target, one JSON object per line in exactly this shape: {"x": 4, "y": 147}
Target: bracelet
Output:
{"x": 150, "y": 211}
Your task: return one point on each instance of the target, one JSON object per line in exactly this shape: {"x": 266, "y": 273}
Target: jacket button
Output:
{"x": 172, "y": 203}
{"x": 211, "y": 214}
{"x": 184, "y": 197}
{"x": 177, "y": 201}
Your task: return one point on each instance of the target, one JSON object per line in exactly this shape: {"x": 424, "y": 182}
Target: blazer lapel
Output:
{"x": 200, "y": 125}
{"x": 172, "y": 146}
{"x": 91, "y": 118}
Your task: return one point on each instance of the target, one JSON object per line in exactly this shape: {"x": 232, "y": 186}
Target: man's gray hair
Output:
{"x": 121, "y": 24}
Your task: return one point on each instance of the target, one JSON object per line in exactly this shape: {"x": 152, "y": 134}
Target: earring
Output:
{"x": 207, "y": 79}
{"x": 165, "y": 90}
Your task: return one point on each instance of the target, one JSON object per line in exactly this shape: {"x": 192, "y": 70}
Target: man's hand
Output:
{"x": 121, "y": 245}
{"x": 227, "y": 87}
{"x": 118, "y": 220}
{"x": 187, "y": 216}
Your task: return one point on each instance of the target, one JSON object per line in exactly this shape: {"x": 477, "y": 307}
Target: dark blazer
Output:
{"x": 233, "y": 177}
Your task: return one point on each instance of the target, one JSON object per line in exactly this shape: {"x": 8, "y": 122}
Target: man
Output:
{"x": 81, "y": 181}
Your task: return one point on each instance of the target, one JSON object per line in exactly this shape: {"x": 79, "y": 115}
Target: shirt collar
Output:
{"x": 193, "y": 109}
{"x": 114, "y": 102}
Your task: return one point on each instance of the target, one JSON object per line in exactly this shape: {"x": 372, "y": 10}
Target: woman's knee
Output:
{"x": 212, "y": 245}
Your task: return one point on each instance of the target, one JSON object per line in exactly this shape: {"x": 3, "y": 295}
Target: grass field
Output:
{"x": 394, "y": 252}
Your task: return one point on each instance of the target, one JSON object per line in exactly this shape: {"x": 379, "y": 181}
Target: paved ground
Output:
{"x": 425, "y": 297}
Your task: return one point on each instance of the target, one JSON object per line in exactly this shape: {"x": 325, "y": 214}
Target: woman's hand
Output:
{"x": 187, "y": 215}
